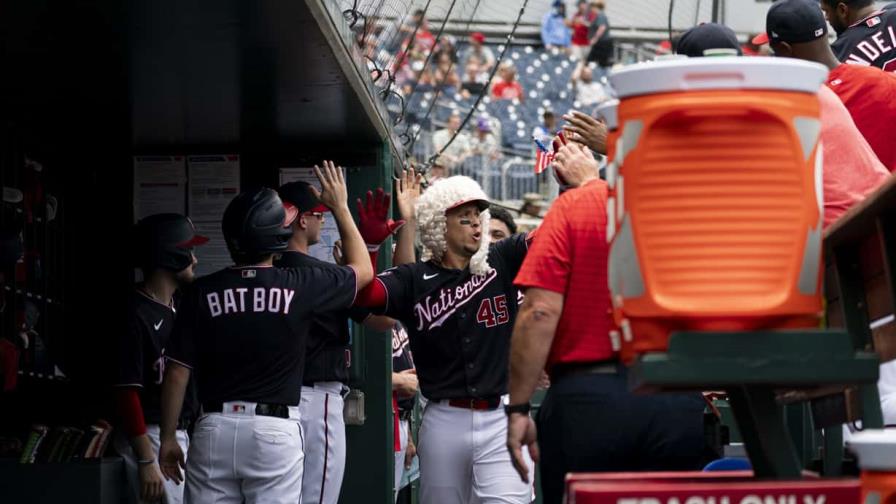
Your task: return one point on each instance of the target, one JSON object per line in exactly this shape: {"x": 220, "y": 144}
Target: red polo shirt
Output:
{"x": 869, "y": 94}
{"x": 569, "y": 256}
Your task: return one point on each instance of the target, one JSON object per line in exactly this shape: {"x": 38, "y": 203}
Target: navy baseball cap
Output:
{"x": 707, "y": 36}
{"x": 299, "y": 195}
{"x": 793, "y": 21}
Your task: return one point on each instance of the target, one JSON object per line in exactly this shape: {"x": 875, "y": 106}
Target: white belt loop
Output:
{"x": 330, "y": 387}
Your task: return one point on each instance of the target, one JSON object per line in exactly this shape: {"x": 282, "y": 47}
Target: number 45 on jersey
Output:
{"x": 493, "y": 311}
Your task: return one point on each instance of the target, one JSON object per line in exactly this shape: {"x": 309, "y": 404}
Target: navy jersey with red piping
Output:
{"x": 328, "y": 353}
{"x": 870, "y": 41}
{"x": 141, "y": 355}
{"x": 459, "y": 323}
{"x": 402, "y": 360}
{"x": 244, "y": 329}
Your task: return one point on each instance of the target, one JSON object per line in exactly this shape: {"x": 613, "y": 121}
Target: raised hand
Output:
{"x": 373, "y": 218}
{"x": 586, "y": 130}
{"x": 333, "y": 193}
{"x": 407, "y": 190}
{"x": 575, "y": 164}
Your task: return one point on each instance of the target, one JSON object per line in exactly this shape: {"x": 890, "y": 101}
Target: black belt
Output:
{"x": 475, "y": 403}
{"x": 569, "y": 369}
{"x": 262, "y": 409}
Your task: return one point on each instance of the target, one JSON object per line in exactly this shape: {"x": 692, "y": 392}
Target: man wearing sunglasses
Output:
{"x": 327, "y": 358}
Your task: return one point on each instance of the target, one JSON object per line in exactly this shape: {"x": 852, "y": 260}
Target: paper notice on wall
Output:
{"x": 214, "y": 181}
{"x": 160, "y": 185}
{"x": 212, "y": 256}
{"x": 329, "y": 233}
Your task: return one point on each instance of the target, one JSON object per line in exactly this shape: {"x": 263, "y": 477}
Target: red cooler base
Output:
{"x": 706, "y": 488}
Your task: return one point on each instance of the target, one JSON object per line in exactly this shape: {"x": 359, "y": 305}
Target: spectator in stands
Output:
{"x": 533, "y": 204}
{"x": 447, "y": 46}
{"x": 474, "y": 79}
{"x": 507, "y": 87}
{"x": 581, "y": 20}
{"x": 459, "y": 148}
{"x": 545, "y": 131}
{"x": 437, "y": 171}
{"x": 502, "y": 224}
{"x": 851, "y": 168}
{"x": 868, "y": 92}
{"x": 554, "y": 31}
{"x": 418, "y": 29}
{"x": 477, "y": 48}
{"x": 485, "y": 144}
{"x": 600, "y": 38}
{"x": 589, "y": 92}
{"x": 444, "y": 75}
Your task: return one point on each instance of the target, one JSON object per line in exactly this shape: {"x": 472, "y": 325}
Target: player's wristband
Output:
{"x": 523, "y": 408}
{"x": 146, "y": 461}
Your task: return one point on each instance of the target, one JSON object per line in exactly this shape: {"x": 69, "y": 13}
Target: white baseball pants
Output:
{"x": 241, "y": 457}
{"x": 323, "y": 425}
{"x": 174, "y": 494}
{"x": 464, "y": 459}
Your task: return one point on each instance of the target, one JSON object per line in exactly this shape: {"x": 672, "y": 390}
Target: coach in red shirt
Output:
{"x": 869, "y": 93}
{"x": 589, "y": 421}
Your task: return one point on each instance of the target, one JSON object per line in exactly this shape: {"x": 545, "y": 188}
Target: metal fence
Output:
{"x": 507, "y": 178}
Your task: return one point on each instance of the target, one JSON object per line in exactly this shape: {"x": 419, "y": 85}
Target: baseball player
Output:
{"x": 404, "y": 390}
{"x": 458, "y": 306}
{"x": 328, "y": 354}
{"x": 866, "y": 35}
{"x": 244, "y": 331}
{"x": 165, "y": 255}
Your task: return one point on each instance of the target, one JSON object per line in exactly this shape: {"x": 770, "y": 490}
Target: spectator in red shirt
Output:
{"x": 869, "y": 93}
{"x": 589, "y": 421}
{"x": 581, "y": 20}
{"x": 507, "y": 88}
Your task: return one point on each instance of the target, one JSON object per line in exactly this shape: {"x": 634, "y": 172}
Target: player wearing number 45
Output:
{"x": 458, "y": 306}
{"x": 164, "y": 252}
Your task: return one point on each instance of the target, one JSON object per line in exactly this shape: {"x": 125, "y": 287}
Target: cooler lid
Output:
{"x": 608, "y": 112}
{"x": 875, "y": 449}
{"x": 724, "y": 72}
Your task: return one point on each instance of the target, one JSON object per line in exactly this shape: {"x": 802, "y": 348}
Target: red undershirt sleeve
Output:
{"x": 130, "y": 411}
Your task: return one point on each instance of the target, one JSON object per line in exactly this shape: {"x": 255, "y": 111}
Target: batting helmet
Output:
{"x": 257, "y": 222}
{"x": 166, "y": 241}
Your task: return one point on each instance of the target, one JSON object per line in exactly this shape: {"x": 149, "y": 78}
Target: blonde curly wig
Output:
{"x": 432, "y": 224}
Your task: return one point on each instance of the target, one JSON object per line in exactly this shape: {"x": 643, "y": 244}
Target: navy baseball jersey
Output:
{"x": 141, "y": 354}
{"x": 871, "y": 41}
{"x": 328, "y": 353}
{"x": 244, "y": 329}
{"x": 459, "y": 323}
{"x": 402, "y": 360}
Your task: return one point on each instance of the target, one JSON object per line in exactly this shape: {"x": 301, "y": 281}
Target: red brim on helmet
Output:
{"x": 195, "y": 241}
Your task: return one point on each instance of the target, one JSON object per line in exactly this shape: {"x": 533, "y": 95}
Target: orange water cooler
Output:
{"x": 715, "y": 208}
{"x": 876, "y": 451}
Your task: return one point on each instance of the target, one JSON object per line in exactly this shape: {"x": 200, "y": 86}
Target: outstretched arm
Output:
{"x": 334, "y": 195}
{"x": 407, "y": 191}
